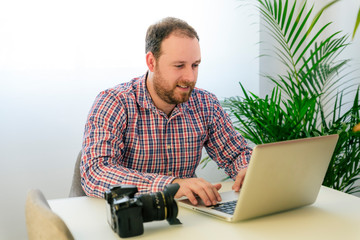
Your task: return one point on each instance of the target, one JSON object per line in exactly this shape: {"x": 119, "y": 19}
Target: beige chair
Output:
{"x": 76, "y": 189}
{"x": 41, "y": 221}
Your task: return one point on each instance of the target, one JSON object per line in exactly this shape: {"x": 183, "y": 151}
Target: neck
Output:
{"x": 158, "y": 102}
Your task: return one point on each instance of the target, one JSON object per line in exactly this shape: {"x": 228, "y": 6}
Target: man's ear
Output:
{"x": 150, "y": 61}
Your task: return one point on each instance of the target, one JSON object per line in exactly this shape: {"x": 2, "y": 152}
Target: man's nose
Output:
{"x": 190, "y": 74}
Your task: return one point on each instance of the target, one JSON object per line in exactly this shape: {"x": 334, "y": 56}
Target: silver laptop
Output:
{"x": 280, "y": 176}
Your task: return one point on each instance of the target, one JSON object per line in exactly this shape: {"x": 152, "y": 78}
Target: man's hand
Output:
{"x": 192, "y": 187}
{"x": 239, "y": 180}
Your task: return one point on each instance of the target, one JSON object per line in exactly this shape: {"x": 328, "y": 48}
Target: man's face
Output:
{"x": 176, "y": 69}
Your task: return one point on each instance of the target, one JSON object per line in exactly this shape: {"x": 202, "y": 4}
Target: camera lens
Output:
{"x": 160, "y": 205}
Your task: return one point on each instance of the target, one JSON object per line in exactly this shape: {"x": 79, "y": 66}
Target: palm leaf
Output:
{"x": 318, "y": 15}
{"x": 357, "y": 23}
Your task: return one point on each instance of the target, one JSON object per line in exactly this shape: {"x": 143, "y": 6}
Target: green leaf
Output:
{"x": 357, "y": 23}
{"x": 318, "y": 15}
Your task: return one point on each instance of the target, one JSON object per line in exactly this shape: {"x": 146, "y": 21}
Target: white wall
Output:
{"x": 55, "y": 56}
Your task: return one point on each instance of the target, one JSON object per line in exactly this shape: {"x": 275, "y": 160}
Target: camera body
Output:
{"x": 127, "y": 213}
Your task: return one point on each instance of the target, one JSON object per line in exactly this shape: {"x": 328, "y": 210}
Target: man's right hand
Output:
{"x": 192, "y": 187}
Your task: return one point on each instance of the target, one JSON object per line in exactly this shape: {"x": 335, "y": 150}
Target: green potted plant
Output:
{"x": 308, "y": 99}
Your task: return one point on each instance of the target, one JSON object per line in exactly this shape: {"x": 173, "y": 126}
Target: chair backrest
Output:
{"x": 41, "y": 221}
{"x": 76, "y": 189}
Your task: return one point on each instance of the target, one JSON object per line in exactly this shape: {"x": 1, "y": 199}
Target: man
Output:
{"x": 150, "y": 132}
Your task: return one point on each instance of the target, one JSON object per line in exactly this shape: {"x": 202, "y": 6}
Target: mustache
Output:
{"x": 187, "y": 84}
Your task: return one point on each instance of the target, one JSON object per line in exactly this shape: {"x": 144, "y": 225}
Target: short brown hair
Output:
{"x": 157, "y": 32}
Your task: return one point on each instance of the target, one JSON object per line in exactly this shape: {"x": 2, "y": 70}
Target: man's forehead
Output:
{"x": 181, "y": 49}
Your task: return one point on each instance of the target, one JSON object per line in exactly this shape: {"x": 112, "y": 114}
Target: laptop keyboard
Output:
{"x": 226, "y": 207}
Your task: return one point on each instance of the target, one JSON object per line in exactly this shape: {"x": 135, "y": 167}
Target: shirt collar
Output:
{"x": 142, "y": 94}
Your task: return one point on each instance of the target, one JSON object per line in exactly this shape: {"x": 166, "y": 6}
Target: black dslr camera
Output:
{"x": 126, "y": 213}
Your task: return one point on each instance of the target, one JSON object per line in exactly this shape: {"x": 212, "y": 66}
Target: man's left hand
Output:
{"x": 239, "y": 180}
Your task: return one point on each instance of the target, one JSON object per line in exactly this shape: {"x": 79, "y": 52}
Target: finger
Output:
{"x": 236, "y": 185}
{"x": 192, "y": 188}
{"x": 239, "y": 180}
{"x": 190, "y": 195}
{"x": 209, "y": 193}
{"x": 204, "y": 197}
{"x": 185, "y": 191}
{"x": 218, "y": 186}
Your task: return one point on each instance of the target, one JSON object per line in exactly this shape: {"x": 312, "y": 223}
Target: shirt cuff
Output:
{"x": 160, "y": 182}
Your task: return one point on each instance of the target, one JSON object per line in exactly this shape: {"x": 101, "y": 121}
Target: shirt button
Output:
{"x": 169, "y": 173}
{"x": 168, "y": 147}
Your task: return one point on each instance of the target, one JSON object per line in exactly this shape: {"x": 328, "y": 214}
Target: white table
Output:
{"x": 335, "y": 215}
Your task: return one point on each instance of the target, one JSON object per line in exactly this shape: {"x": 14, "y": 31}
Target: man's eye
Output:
{"x": 195, "y": 65}
{"x": 179, "y": 66}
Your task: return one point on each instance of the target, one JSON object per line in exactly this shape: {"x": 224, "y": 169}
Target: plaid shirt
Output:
{"x": 128, "y": 140}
